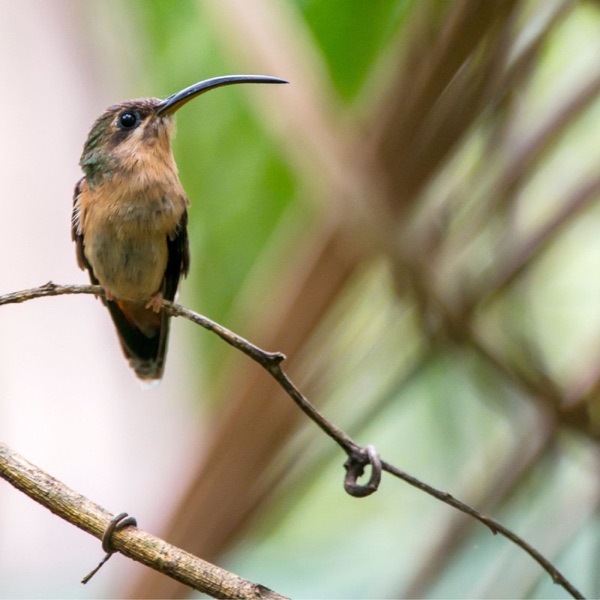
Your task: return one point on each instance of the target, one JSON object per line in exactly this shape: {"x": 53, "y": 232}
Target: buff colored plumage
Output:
{"x": 129, "y": 218}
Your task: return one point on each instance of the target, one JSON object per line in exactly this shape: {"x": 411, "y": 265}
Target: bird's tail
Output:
{"x": 143, "y": 334}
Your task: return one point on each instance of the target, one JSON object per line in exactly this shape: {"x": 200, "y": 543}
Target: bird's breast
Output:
{"x": 129, "y": 266}
{"x": 125, "y": 238}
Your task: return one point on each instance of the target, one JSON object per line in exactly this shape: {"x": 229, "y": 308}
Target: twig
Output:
{"x": 132, "y": 542}
{"x": 493, "y": 525}
{"x": 358, "y": 457}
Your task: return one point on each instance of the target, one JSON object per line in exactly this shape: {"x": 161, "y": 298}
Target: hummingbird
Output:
{"x": 129, "y": 220}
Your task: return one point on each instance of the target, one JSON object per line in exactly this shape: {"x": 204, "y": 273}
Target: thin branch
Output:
{"x": 132, "y": 542}
{"x": 493, "y": 525}
{"x": 50, "y": 289}
{"x": 271, "y": 361}
{"x": 358, "y": 457}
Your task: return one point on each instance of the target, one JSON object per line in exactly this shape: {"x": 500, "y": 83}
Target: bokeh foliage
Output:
{"x": 463, "y": 342}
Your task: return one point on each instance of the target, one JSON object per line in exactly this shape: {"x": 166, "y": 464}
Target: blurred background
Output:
{"x": 413, "y": 221}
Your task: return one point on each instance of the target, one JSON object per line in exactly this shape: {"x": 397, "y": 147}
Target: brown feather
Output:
{"x": 130, "y": 231}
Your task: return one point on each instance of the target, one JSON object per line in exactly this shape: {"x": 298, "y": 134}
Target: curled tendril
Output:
{"x": 355, "y": 468}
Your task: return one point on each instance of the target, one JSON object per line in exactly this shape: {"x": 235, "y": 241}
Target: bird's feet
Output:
{"x": 155, "y": 303}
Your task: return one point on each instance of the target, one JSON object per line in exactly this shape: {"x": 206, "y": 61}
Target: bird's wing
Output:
{"x": 77, "y": 230}
{"x": 178, "y": 262}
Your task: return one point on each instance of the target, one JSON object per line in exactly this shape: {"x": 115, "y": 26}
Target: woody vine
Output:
{"x": 213, "y": 580}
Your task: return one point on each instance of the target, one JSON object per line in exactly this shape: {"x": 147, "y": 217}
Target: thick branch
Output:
{"x": 132, "y": 542}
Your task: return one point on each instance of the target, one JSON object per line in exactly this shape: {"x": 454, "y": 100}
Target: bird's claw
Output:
{"x": 155, "y": 303}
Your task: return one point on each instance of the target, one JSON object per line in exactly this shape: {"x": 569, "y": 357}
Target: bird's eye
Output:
{"x": 129, "y": 119}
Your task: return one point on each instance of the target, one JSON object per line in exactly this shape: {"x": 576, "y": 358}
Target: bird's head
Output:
{"x": 125, "y": 133}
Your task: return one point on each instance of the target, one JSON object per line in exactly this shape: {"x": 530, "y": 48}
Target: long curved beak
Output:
{"x": 177, "y": 100}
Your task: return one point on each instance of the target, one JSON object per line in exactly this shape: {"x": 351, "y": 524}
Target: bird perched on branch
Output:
{"x": 129, "y": 218}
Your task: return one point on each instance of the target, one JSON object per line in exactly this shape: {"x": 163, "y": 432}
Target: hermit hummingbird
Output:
{"x": 129, "y": 220}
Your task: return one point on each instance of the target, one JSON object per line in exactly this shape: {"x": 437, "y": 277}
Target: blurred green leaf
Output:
{"x": 351, "y": 35}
